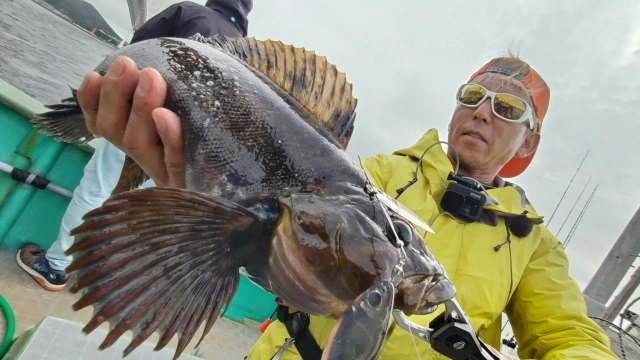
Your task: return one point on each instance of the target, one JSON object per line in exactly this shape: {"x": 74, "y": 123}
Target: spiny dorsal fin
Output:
{"x": 309, "y": 78}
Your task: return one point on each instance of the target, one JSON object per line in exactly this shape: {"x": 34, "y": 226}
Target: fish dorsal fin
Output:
{"x": 308, "y": 78}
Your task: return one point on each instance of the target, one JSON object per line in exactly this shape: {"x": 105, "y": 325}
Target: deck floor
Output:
{"x": 31, "y": 303}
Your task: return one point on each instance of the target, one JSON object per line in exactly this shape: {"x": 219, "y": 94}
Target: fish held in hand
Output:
{"x": 270, "y": 192}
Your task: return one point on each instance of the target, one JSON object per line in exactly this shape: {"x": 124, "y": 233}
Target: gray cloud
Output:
{"x": 406, "y": 61}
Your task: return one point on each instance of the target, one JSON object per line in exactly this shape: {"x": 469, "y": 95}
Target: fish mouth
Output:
{"x": 476, "y": 135}
{"x": 421, "y": 294}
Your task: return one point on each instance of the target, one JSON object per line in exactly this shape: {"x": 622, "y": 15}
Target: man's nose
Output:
{"x": 484, "y": 112}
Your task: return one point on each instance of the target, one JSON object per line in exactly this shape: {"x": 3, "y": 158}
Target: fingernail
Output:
{"x": 144, "y": 84}
{"x": 117, "y": 69}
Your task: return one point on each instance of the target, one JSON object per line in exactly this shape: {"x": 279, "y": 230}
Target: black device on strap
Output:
{"x": 297, "y": 325}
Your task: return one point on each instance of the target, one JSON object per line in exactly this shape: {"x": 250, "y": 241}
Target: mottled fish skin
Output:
{"x": 269, "y": 188}
{"x": 361, "y": 331}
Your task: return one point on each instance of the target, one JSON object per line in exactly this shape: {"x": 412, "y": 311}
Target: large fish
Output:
{"x": 270, "y": 193}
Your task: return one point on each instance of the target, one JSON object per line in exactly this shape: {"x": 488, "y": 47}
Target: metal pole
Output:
{"x": 629, "y": 305}
{"x": 618, "y": 302}
{"x": 6, "y": 167}
{"x": 28, "y": 178}
{"x": 615, "y": 265}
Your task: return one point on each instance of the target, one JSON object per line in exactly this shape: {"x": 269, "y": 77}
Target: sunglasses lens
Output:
{"x": 470, "y": 94}
{"x": 509, "y": 107}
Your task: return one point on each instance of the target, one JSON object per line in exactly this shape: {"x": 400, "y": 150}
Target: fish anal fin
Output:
{"x": 131, "y": 176}
{"x": 316, "y": 84}
{"x": 167, "y": 276}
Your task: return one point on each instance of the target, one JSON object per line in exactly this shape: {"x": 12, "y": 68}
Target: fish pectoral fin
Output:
{"x": 307, "y": 77}
{"x": 131, "y": 176}
{"x": 159, "y": 259}
{"x": 65, "y": 122}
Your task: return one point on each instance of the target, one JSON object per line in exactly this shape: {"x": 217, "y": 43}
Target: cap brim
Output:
{"x": 516, "y": 166}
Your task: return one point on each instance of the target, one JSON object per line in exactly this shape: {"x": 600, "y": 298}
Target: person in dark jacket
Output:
{"x": 182, "y": 20}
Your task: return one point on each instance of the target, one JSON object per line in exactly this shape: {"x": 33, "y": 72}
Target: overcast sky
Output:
{"x": 407, "y": 60}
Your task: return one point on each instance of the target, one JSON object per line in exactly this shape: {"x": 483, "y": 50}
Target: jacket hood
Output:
{"x": 243, "y": 7}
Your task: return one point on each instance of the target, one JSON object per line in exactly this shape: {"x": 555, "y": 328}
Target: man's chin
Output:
{"x": 469, "y": 162}
{"x": 470, "y": 156}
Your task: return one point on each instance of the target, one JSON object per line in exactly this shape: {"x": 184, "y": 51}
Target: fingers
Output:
{"x": 141, "y": 135}
{"x": 89, "y": 99}
{"x": 170, "y": 130}
{"x": 118, "y": 86}
{"x": 125, "y": 107}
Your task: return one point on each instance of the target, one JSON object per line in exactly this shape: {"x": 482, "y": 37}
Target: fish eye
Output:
{"x": 374, "y": 299}
{"x": 403, "y": 230}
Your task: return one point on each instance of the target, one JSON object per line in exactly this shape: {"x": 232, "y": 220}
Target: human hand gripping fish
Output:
{"x": 269, "y": 191}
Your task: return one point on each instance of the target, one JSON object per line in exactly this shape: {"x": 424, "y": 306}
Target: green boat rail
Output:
{"x": 31, "y": 162}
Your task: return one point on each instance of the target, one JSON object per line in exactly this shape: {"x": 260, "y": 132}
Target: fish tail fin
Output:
{"x": 131, "y": 176}
{"x": 65, "y": 121}
{"x": 161, "y": 260}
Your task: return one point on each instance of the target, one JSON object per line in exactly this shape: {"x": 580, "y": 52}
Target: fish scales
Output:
{"x": 253, "y": 139}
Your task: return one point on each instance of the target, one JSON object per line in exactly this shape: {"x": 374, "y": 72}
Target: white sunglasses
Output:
{"x": 507, "y": 107}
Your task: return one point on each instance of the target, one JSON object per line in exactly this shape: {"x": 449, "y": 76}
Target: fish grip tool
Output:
{"x": 450, "y": 334}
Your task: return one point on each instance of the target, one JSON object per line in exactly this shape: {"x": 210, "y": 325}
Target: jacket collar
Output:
{"x": 510, "y": 199}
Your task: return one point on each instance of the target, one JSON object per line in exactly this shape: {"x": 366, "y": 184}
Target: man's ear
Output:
{"x": 529, "y": 145}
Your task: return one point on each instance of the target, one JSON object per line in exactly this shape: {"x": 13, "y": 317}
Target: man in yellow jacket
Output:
{"x": 507, "y": 261}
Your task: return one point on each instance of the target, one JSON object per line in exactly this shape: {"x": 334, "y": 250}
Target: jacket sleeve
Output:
{"x": 548, "y": 312}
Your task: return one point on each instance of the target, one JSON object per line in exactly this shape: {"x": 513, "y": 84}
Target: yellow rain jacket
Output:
{"x": 527, "y": 279}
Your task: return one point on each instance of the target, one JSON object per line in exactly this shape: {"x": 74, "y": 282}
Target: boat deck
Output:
{"x": 31, "y": 304}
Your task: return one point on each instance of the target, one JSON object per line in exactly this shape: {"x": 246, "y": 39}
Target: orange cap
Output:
{"x": 540, "y": 94}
